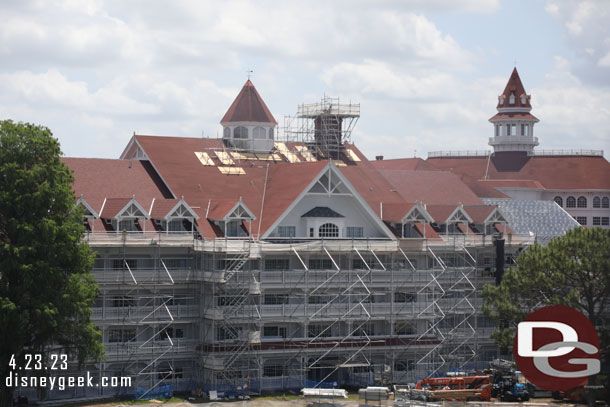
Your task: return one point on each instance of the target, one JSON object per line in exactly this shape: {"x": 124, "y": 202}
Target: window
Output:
{"x": 128, "y": 225}
{"x": 597, "y": 221}
{"x": 581, "y": 219}
{"x": 311, "y": 232}
{"x": 121, "y": 335}
{"x": 497, "y": 128}
{"x": 259, "y": 133}
{"x": 271, "y": 134}
{"x": 605, "y": 220}
{"x": 240, "y": 132}
{"x": 226, "y": 132}
{"x": 319, "y": 299}
{"x": 559, "y": 201}
{"x": 274, "y": 331}
{"x": 320, "y": 264}
{"x": 328, "y": 230}
{"x": 582, "y": 202}
{"x": 404, "y": 366}
{"x": 175, "y": 225}
{"x": 319, "y": 330}
{"x": 277, "y": 264}
{"x": 404, "y": 328}
{"x": 597, "y": 203}
{"x": 524, "y": 128}
{"x": 276, "y": 299}
{"x": 287, "y": 231}
{"x": 511, "y": 98}
{"x": 571, "y": 202}
{"x": 404, "y": 297}
{"x": 605, "y": 202}
{"x": 273, "y": 370}
{"x": 123, "y": 301}
{"x": 355, "y": 231}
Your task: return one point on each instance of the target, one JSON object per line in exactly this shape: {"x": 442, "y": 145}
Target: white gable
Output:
{"x": 340, "y": 210}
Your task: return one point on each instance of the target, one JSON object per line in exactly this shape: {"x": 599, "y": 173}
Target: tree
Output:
{"x": 45, "y": 287}
{"x": 573, "y": 270}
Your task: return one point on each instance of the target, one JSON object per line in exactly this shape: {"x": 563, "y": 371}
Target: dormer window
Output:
{"x": 511, "y": 98}
{"x": 227, "y": 132}
{"x": 523, "y": 99}
{"x": 271, "y": 134}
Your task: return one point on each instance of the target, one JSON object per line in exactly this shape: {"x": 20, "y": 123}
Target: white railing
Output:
{"x": 142, "y": 276}
{"x": 513, "y": 140}
{"x": 103, "y": 238}
{"x": 460, "y": 153}
{"x": 148, "y": 348}
{"x": 137, "y": 313}
{"x": 594, "y": 153}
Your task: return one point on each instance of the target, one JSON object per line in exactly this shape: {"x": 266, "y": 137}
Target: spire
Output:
{"x": 248, "y": 106}
{"x": 514, "y": 92}
{"x": 514, "y": 124}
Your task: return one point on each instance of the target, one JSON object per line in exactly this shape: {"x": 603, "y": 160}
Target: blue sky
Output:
{"x": 426, "y": 72}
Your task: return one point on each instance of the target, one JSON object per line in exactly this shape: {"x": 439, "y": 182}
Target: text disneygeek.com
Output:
{"x": 62, "y": 382}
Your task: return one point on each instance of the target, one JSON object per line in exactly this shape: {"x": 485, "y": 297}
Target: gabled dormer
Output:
{"x": 124, "y": 214}
{"x": 233, "y": 217}
{"x": 89, "y": 214}
{"x": 173, "y": 215}
{"x": 248, "y": 124}
{"x": 414, "y": 223}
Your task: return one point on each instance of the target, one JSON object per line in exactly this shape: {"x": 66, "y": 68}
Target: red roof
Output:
{"x": 175, "y": 159}
{"x": 550, "y": 172}
{"x": 96, "y": 179}
{"x": 431, "y": 187}
{"x": 514, "y": 115}
{"x": 248, "y": 106}
{"x": 220, "y": 208}
{"x": 112, "y": 206}
{"x": 515, "y": 87}
{"x": 413, "y": 164}
{"x": 479, "y": 213}
{"x": 161, "y": 207}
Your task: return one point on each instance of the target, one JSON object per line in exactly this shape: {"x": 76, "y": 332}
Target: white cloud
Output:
{"x": 588, "y": 36}
{"x": 572, "y": 115}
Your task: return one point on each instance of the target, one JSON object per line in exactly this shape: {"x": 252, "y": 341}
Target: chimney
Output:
{"x": 378, "y": 157}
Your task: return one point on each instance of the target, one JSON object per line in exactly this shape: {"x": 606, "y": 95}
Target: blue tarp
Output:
{"x": 166, "y": 392}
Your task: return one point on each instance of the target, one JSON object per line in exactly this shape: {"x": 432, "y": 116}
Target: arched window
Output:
{"x": 571, "y": 202}
{"x": 271, "y": 133}
{"x": 597, "y": 203}
{"x": 240, "y": 132}
{"x": 511, "y": 98}
{"x": 582, "y": 202}
{"x": 605, "y": 202}
{"x": 259, "y": 133}
{"x": 227, "y": 132}
{"x": 328, "y": 230}
{"x": 559, "y": 201}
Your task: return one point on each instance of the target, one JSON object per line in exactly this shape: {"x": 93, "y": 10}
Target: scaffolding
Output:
{"x": 323, "y": 128}
{"x": 354, "y": 312}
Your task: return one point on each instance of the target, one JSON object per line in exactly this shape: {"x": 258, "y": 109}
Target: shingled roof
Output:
{"x": 248, "y": 106}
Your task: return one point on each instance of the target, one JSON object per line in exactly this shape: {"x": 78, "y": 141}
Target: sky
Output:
{"x": 427, "y": 73}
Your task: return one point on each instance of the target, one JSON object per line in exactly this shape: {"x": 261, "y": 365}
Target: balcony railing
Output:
{"x": 143, "y": 313}
{"x": 137, "y": 238}
{"x": 493, "y": 141}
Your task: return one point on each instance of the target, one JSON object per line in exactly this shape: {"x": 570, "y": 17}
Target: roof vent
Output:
{"x": 378, "y": 157}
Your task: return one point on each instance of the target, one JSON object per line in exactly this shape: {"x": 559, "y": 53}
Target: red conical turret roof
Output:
{"x": 515, "y": 87}
{"x": 248, "y": 106}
